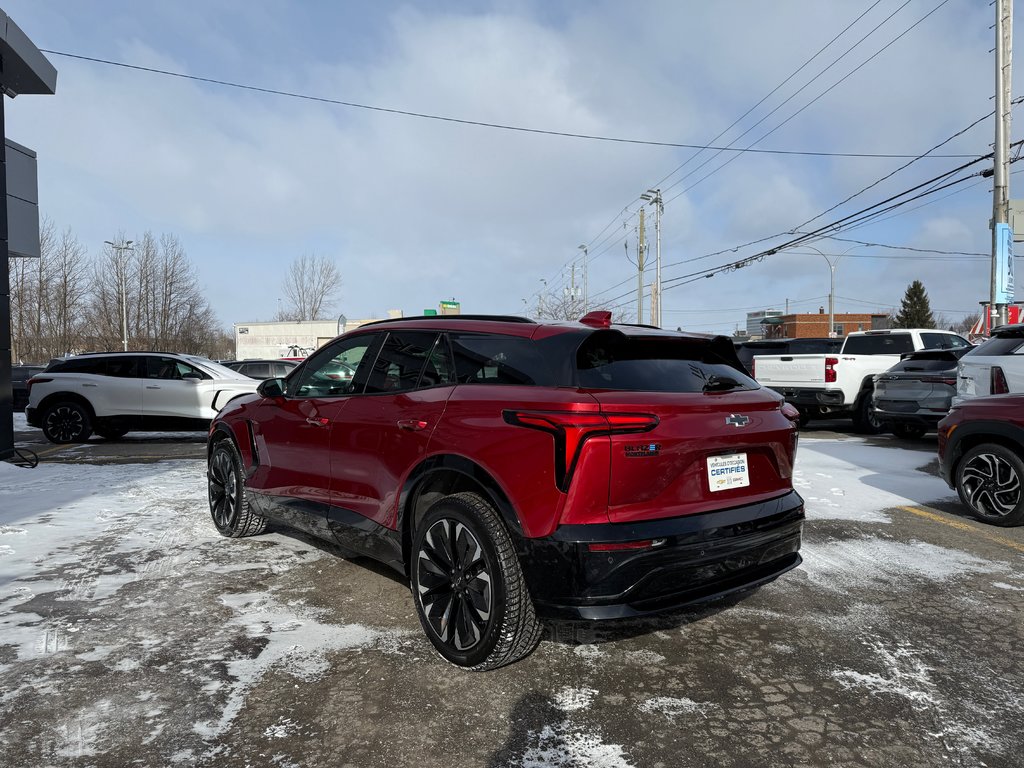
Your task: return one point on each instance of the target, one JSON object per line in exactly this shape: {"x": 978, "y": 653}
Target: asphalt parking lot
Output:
{"x": 154, "y": 642}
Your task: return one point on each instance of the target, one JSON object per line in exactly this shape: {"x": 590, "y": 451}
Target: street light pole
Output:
{"x": 121, "y": 248}
{"x": 832, "y": 285}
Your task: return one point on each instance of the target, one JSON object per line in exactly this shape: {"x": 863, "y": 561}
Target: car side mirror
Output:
{"x": 271, "y": 388}
{"x": 192, "y": 376}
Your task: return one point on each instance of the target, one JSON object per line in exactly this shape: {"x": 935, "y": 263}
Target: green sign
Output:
{"x": 449, "y": 305}
{"x": 429, "y": 312}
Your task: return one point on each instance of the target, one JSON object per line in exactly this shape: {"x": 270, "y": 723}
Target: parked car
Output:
{"x": 113, "y": 393}
{"x": 981, "y": 455}
{"x": 915, "y": 394}
{"x": 512, "y": 469}
{"x": 747, "y": 350}
{"x": 262, "y": 369}
{"x": 839, "y": 384}
{"x": 20, "y": 374}
{"x": 994, "y": 367}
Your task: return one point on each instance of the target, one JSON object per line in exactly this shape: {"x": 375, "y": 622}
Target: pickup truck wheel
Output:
{"x": 865, "y": 420}
{"x": 989, "y": 481}
{"x": 468, "y": 586}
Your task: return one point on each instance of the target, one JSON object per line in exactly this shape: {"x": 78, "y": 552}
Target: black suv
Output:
{"x": 512, "y": 469}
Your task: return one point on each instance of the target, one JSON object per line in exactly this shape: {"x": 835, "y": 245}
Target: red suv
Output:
{"x": 513, "y": 469}
{"x": 981, "y": 455}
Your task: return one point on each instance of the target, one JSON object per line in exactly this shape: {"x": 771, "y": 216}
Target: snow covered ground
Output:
{"x": 130, "y": 629}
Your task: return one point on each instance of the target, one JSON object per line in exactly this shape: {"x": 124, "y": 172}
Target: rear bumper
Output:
{"x": 703, "y": 557}
{"x": 812, "y": 398}
{"x": 32, "y": 416}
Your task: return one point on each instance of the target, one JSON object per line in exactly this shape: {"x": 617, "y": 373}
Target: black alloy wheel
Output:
{"x": 989, "y": 482}
{"x": 67, "y": 422}
{"x": 229, "y": 504}
{"x": 468, "y": 586}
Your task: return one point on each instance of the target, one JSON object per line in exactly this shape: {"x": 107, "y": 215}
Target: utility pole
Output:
{"x": 586, "y": 295}
{"x": 640, "y": 248}
{"x": 1001, "y": 169}
{"x": 654, "y": 196}
{"x": 120, "y": 248}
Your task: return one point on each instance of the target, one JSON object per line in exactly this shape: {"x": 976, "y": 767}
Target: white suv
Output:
{"x": 994, "y": 367}
{"x": 112, "y": 393}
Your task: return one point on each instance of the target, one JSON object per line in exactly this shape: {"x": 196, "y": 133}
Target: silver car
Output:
{"x": 913, "y": 396}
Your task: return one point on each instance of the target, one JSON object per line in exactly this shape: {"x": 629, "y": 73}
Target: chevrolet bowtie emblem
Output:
{"x": 736, "y": 420}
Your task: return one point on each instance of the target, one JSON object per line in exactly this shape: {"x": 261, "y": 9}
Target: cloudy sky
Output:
{"x": 417, "y": 210}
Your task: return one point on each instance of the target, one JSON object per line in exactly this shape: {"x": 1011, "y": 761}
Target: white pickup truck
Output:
{"x": 839, "y": 384}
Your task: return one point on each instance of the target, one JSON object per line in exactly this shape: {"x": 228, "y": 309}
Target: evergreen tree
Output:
{"x": 915, "y": 309}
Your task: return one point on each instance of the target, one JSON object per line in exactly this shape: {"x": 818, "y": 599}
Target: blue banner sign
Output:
{"x": 1004, "y": 264}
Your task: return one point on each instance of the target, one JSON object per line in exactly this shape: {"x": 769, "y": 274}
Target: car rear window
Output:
{"x": 612, "y": 360}
{"x": 927, "y": 364}
{"x": 882, "y": 344}
{"x": 998, "y": 345}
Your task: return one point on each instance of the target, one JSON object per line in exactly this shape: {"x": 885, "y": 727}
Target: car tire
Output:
{"x": 908, "y": 431}
{"x": 229, "y": 503}
{"x": 67, "y": 422}
{"x": 865, "y": 420}
{"x": 468, "y": 585}
{"x": 990, "y": 482}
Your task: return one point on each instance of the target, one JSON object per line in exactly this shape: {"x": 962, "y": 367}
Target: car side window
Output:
{"x": 257, "y": 370}
{"x": 405, "y": 362}
{"x": 943, "y": 341}
{"x": 169, "y": 369}
{"x": 494, "y": 359}
{"x": 122, "y": 367}
{"x": 333, "y": 371}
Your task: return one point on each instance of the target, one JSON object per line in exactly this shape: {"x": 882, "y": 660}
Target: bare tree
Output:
{"x": 63, "y": 306}
{"x": 311, "y": 286}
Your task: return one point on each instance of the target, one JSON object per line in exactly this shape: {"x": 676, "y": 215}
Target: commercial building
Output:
{"x": 809, "y": 326}
{"x": 291, "y": 338}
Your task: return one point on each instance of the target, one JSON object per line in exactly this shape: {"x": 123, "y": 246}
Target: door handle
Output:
{"x": 317, "y": 422}
{"x": 413, "y": 425}
{"x": 88, "y": 385}
{"x": 152, "y": 386}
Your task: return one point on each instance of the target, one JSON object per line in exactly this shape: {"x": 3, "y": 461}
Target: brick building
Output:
{"x": 807, "y": 326}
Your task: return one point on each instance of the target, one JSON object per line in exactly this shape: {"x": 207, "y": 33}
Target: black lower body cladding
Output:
{"x": 693, "y": 559}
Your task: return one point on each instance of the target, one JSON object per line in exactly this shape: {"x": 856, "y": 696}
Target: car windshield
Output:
{"x": 216, "y": 369}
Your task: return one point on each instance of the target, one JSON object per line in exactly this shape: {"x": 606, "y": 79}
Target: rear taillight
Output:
{"x": 753, "y": 369}
{"x": 999, "y": 386}
{"x": 830, "y": 370}
{"x": 571, "y": 429}
{"x": 949, "y": 381}
{"x": 790, "y": 412}
{"x": 35, "y": 380}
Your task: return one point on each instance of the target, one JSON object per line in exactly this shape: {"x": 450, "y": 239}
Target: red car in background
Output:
{"x": 513, "y": 469}
{"x": 981, "y": 455}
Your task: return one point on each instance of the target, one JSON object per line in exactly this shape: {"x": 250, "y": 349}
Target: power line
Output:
{"x": 812, "y": 101}
{"x": 771, "y": 93}
{"x": 476, "y": 123}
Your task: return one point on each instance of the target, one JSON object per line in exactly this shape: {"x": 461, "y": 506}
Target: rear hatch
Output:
{"x": 720, "y": 440}
{"x": 924, "y": 380}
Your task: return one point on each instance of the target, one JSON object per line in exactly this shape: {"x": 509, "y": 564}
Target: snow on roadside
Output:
{"x": 854, "y": 480}
{"x": 132, "y": 546}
